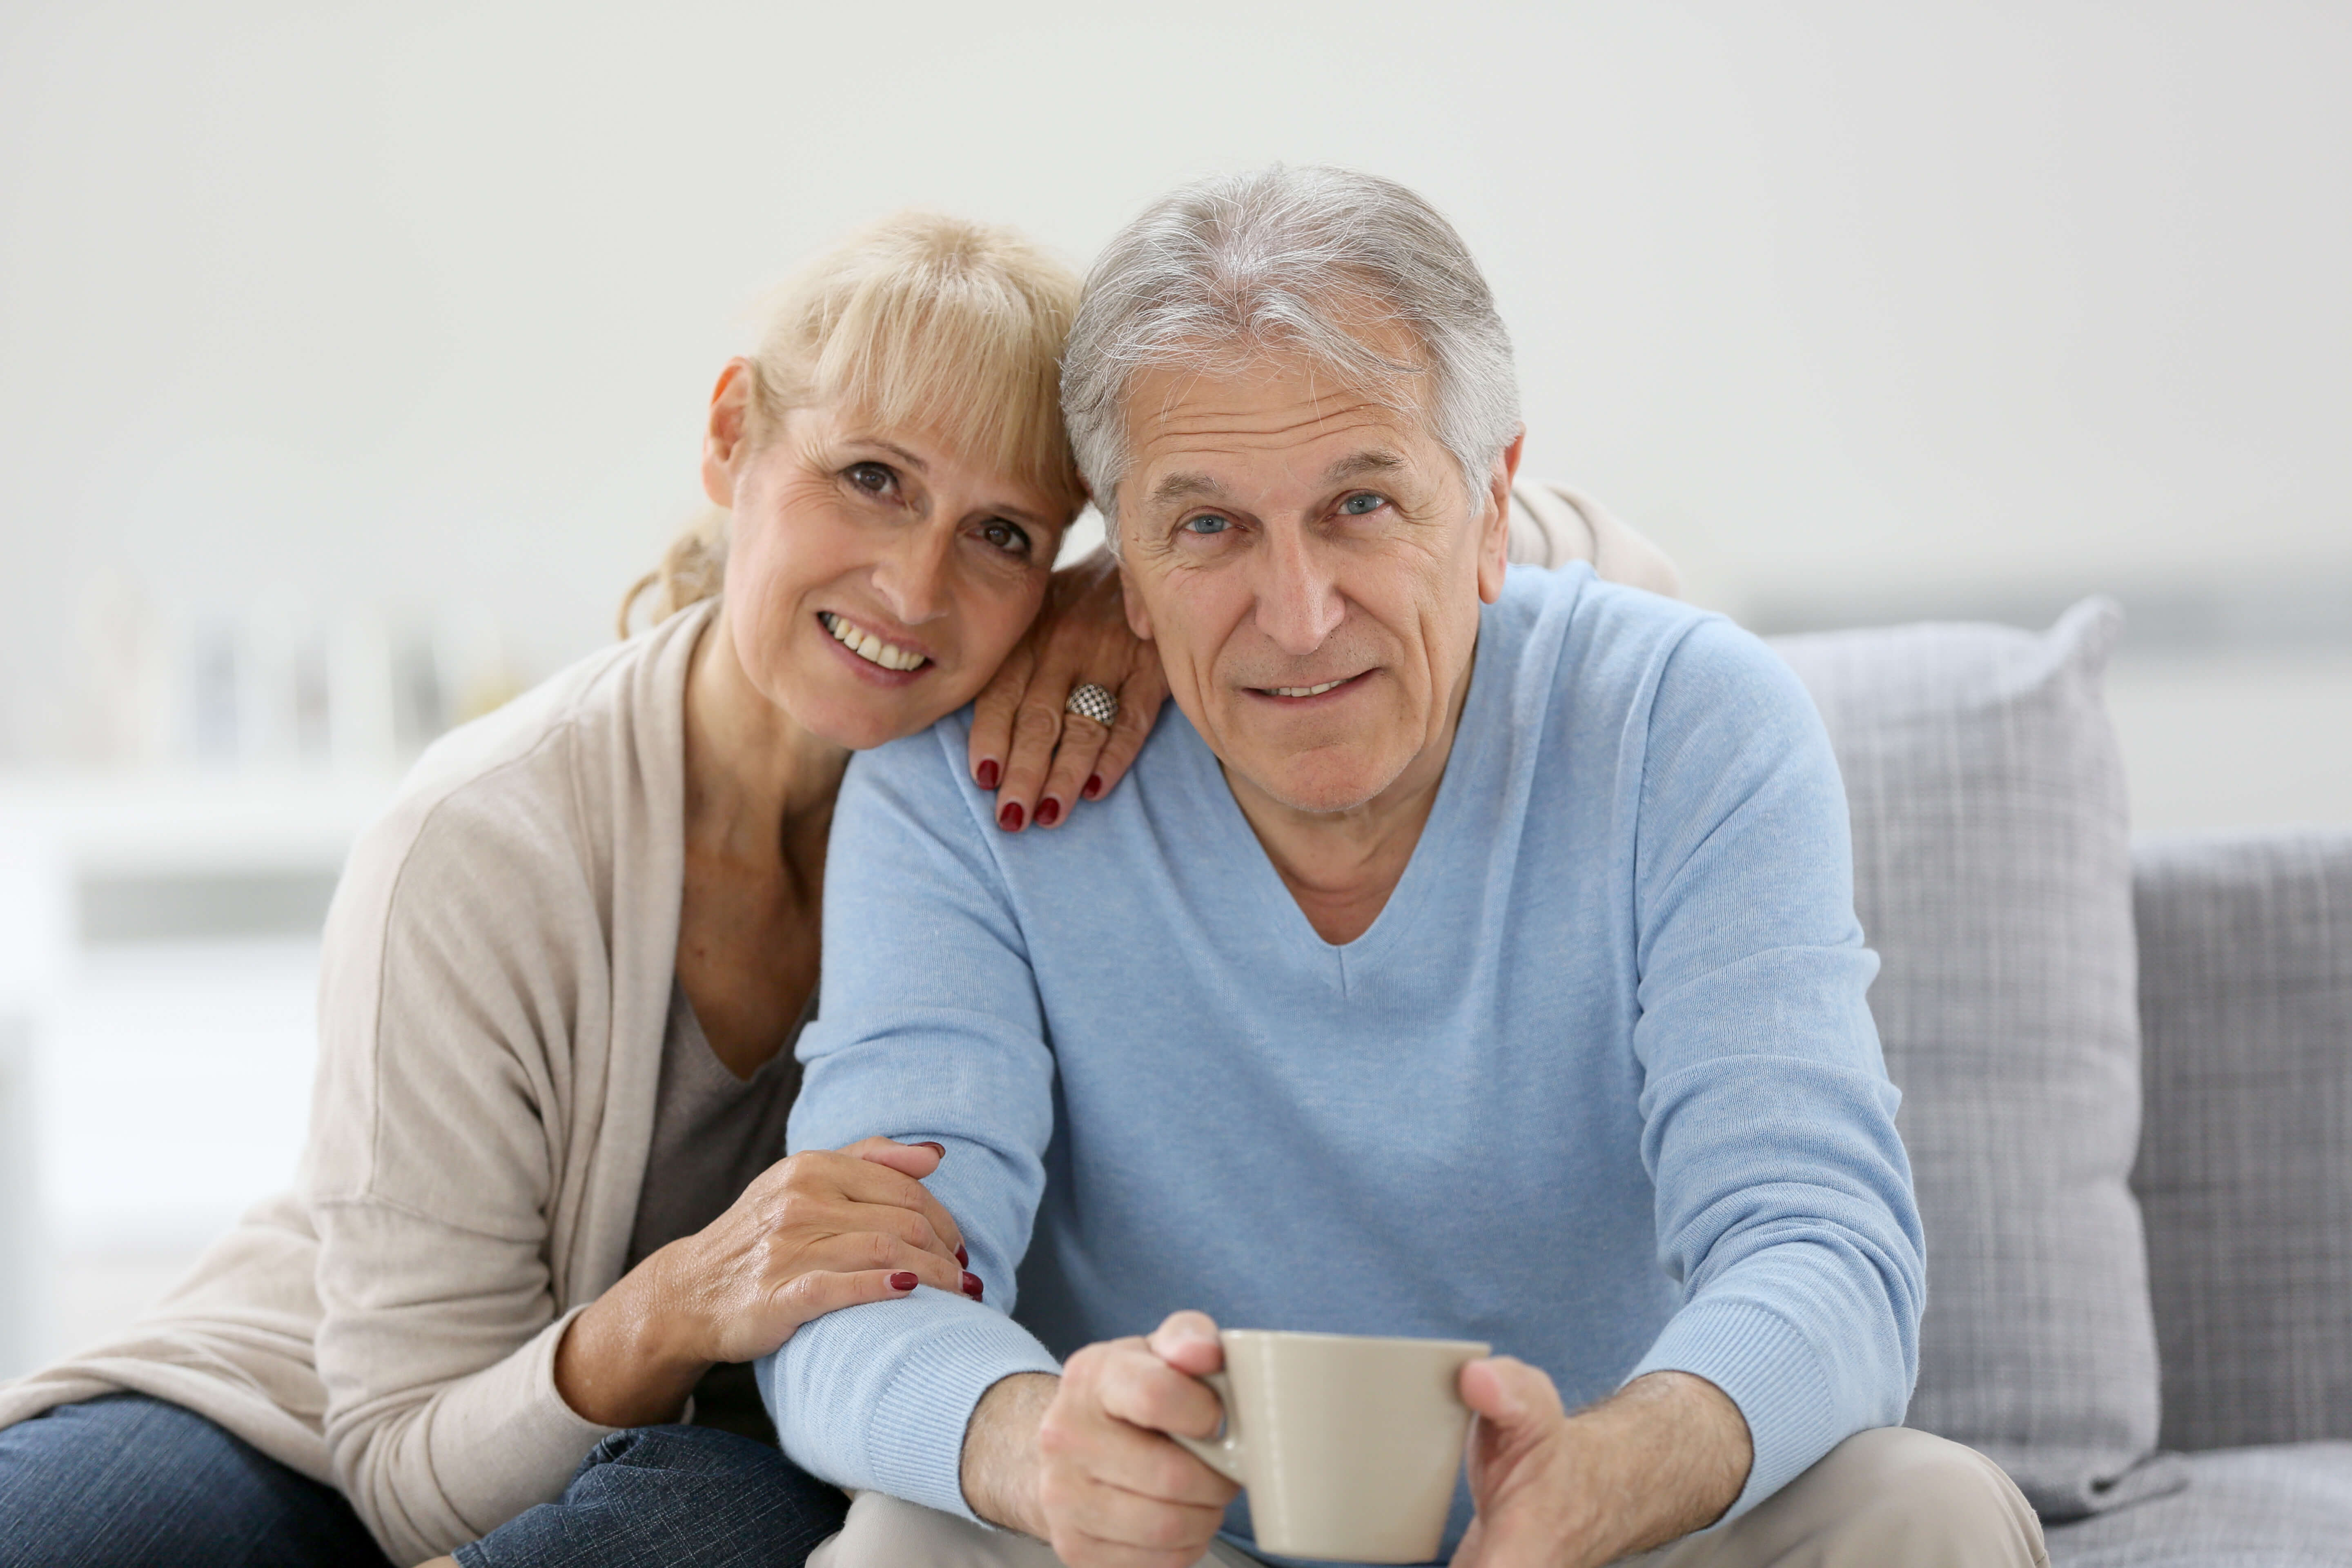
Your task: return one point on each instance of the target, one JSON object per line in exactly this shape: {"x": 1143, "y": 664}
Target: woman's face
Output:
{"x": 875, "y": 577}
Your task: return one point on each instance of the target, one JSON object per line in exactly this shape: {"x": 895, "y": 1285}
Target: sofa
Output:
{"x": 2126, "y": 1067}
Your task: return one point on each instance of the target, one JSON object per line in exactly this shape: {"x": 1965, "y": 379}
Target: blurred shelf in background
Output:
{"x": 2248, "y": 740}
{"x": 193, "y": 820}
{"x": 159, "y": 943}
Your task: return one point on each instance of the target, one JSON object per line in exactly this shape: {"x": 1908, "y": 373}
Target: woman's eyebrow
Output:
{"x": 895, "y": 450}
{"x": 1020, "y": 514}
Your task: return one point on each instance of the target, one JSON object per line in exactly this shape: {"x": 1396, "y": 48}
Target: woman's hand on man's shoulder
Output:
{"x": 1039, "y": 759}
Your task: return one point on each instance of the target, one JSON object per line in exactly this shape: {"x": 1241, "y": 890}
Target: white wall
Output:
{"x": 1857, "y": 306}
{"x": 319, "y": 313}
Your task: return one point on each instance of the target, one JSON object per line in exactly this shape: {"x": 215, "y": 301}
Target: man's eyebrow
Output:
{"x": 1185, "y": 487}
{"x": 1356, "y": 465}
{"x": 1180, "y": 485}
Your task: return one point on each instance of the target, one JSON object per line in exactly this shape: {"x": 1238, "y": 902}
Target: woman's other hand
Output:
{"x": 817, "y": 1232}
{"x": 1040, "y": 760}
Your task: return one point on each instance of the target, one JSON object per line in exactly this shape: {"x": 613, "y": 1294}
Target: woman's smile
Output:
{"x": 872, "y": 648}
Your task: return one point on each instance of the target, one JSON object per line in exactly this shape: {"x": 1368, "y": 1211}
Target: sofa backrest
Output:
{"x": 2244, "y": 1174}
{"x": 1993, "y": 874}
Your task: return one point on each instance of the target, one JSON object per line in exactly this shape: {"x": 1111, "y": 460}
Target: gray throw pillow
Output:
{"x": 1993, "y": 875}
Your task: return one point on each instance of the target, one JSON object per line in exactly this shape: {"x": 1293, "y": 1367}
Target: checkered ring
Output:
{"x": 1093, "y": 701}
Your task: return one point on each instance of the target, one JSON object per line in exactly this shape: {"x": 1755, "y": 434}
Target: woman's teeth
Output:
{"x": 868, "y": 646}
{"x": 1309, "y": 690}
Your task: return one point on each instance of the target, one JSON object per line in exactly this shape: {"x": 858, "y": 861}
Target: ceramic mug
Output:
{"x": 1348, "y": 1446}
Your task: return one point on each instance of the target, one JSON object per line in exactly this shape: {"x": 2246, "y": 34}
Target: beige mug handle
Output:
{"x": 1221, "y": 1453}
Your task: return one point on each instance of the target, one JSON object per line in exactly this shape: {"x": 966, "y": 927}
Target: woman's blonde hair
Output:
{"x": 920, "y": 321}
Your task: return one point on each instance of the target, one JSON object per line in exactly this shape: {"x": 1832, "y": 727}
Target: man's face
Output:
{"x": 1310, "y": 566}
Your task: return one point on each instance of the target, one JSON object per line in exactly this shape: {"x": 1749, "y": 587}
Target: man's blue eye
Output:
{"x": 1357, "y": 505}
{"x": 1207, "y": 523}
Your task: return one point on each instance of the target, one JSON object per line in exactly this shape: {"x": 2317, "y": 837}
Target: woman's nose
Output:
{"x": 912, "y": 576}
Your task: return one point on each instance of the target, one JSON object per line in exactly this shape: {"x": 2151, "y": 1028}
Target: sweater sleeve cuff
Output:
{"x": 919, "y": 1422}
{"x": 498, "y": 1442}
{"x": 877, "y": 1398}
{"x": 566, "y": 1429}
{"x": 1768, "y": 1368}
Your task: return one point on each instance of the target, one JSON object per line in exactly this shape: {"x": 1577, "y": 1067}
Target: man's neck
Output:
{"x": 1342, "y": 866}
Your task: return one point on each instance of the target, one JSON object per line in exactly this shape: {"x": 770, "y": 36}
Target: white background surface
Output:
{"x": 311, "y": 311}
{"x": 415, "y": 306}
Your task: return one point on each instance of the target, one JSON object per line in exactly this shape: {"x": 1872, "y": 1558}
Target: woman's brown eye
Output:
{"x": 1006, "y": 537}
{"x": 872, "y": 477}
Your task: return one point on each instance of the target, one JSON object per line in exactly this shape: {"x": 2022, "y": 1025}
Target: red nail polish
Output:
{"x": 938, "y": 1149}
{"x": 1049, "y": 812}
{"x": 1094, "y": 786}
{"x": 972, "y": 1287}
{"x": 1009, "y": 818}
{"x": 989, "y": 773}
{"x": 903, "y": 1281}
{"x": 963, "y": 1258}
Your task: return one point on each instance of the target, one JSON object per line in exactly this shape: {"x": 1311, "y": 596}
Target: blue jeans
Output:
{"x": 126, "y": 1482}
{"x": 672, "y": 1495}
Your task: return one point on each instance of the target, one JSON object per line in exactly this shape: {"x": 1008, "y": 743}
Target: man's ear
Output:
{"x": 1494, "y": 536}
{"x": 1138, "y": 618}
{"x": 724, "y": 436}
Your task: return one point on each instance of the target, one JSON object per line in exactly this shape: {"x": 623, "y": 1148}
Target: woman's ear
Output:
{"x": 723, "y": 438}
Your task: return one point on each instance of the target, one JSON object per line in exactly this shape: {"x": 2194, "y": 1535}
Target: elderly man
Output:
{"x": 1473, "y": 957}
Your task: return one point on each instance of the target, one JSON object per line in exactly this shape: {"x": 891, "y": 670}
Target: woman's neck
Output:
{"x": 758, "y": 788}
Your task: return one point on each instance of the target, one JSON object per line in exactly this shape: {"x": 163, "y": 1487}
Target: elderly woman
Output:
{"x": 542, "y": 1208}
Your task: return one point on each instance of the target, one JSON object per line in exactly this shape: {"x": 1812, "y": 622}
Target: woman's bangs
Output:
{"x": 977, "y": 372}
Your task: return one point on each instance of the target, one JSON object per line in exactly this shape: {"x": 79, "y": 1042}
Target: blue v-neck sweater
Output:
{"x": 1599, "y": 1086}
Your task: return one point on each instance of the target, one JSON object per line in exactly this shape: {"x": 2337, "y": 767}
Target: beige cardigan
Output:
{"x": 493, "y": 996}
{"x": 493, "y": 999}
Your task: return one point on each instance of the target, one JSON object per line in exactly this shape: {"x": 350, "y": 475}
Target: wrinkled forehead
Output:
{"x": 1271, "y": 420}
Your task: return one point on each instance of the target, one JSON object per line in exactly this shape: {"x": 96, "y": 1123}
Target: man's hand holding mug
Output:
{"x": 1111, "y": 1486}
{"x": 1350, "y": 1447}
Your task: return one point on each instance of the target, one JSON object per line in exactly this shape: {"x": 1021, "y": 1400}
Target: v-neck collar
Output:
{"x": 1431, "y": 853}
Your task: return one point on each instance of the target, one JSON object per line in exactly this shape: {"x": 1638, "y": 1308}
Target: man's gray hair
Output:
{"x": 1289, "y": 259}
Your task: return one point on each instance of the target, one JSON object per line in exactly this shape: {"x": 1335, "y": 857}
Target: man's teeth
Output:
{"x": 868, "y": 646}
{"x": 1309, "y": 690}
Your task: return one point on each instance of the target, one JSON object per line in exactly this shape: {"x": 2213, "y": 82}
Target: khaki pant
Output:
{"x": 1888, "y": 1497}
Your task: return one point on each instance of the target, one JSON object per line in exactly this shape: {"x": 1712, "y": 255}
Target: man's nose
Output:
{"x": 1298, "y": 601}
{"x": 912, "y": 574}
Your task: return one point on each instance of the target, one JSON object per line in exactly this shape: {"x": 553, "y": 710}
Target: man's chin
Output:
{"x": 1325, "y": 786}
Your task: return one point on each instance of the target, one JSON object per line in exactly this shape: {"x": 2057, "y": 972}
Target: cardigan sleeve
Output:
{"x": 462, "y": 959}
